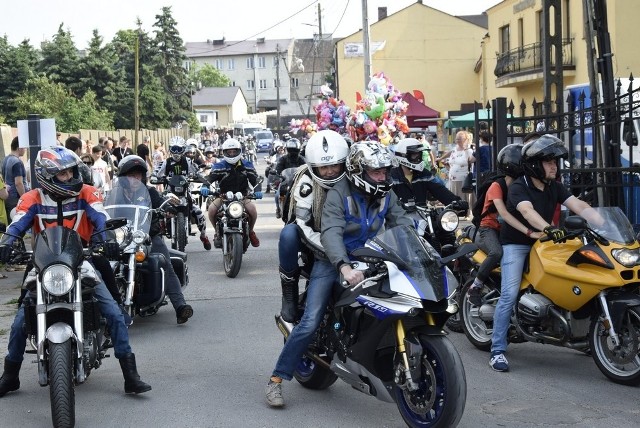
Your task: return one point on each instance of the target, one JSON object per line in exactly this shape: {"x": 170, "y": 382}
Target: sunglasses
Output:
{"x": 88, "y": 163}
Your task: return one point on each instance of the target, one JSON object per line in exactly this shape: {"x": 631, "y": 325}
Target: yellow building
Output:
{"x": 512, "y": 51}
{"x": 418, "y": 48}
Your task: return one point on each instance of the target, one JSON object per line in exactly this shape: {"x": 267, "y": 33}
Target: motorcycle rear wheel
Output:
{"x": 442, "y": 393}
{"x": 621, "y": 364}
{"x": 181, "y": 231}
{"x": 233, "y": 257}
{"x": 61, "y": 388}
{"x": 312, "y": 375}
{"x": 477, "y": 330}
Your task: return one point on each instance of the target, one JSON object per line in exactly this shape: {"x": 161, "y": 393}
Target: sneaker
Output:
{"x": 474, "y": 296}
{"x": 217, "y": 241}
{"x": 278, "y": 213}
{"x": 205, "y": 242}
{"x": 499, "y": 362}
{"x": 183, "y": 313}
{"x": 255, "y": 242}
{"x": 274, "y": 394}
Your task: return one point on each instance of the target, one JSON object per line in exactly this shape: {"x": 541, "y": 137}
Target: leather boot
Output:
{"x": 289, "y": 282}
{"x": 132, "y": 382}
{"x": 9, "y": 380}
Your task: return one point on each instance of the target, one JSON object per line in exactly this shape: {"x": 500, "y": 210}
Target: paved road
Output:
{"x": 211, "y": 372}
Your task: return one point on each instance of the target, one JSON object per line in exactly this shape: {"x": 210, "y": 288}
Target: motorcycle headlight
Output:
{"x": 235, "y": 209}
{"x": 57, "y": 280}
{"x": 178, "y": 189}
{"x": 230, "y": 195}
{"x": 449, "y": 221}
{"x": 139, "y": 237}
{"x": 627, "y": 257}
{"x": 120, "y": 235}
{"x": 239, "y": 196}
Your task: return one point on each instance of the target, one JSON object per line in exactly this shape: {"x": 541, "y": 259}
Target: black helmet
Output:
{"x": 293, "y": 147}
{"x": 509, "y": 160}
{"x": 133, "y": 163}
{"x": 545, "y": 148}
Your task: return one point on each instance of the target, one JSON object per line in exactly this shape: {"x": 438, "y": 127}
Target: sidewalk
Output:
{"x": 9, "y": 292}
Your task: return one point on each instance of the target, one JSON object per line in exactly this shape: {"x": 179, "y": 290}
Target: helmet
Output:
{"x": 547, "y": 147}
{"x": 177, "y": 147}
{"x": 409, "y": 153}
{"x": 286, "y": 137}
{"x": 49, "y": 163}
{"x": 192, "y": 142}
{"x": 367, "y": 155}
{"x": 190, "y": 151}
{"x": 326, "y": 148}
{"x": 209, "y": 150}
{"x": 231, "y": 144}
{"x": 276, "y": 136}
{"x": 509, "y": 160}
{"x": 133, "y": 163}
{"x": 293, "y": 147}
{"x": 278, "y": 144}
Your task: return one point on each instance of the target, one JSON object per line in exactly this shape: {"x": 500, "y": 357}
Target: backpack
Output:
{"x": 482, "y": 194}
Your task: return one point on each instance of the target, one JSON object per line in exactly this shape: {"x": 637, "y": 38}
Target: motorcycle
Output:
{"x": 140, "y": 273}
{"x": 580, "y": 294}
{"x": 63, "y": 322}
{"x": 439, "y": 226}
{"x": 232, "y": 225}
{"x": 283, "y": 183}
{"x": 384, "y": 336}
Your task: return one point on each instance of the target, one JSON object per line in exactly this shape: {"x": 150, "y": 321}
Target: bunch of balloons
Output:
{"x": 381, "y": 114}
{"x": 302, "y": 127}
{"x": 331, "y": 113}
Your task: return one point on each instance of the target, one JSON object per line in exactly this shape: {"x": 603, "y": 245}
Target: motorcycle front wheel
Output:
{"x": 233, "y": 255}
{"x": 312, "y": 375}
{"x": 181, "y": 231}
{"x": 61, "y": 393}
{"x": 441, "y": 396}
{"x": 620, "y": 363}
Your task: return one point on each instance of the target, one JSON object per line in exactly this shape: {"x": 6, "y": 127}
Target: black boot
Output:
{"x": 9, "y": 380}
{"x": 289, "y": 282}
{"x": 132, "y": 382}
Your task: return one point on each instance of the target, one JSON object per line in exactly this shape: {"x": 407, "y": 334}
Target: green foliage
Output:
{"x": 208, "y": 76}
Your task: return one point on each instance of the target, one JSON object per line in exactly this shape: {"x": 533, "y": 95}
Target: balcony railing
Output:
{"x": 529, "y": 58}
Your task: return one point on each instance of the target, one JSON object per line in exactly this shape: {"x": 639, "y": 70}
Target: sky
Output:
{"x": 199, "y": 20}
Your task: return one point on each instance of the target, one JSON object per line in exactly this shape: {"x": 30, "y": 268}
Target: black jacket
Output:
{"x": 420, "y": 188}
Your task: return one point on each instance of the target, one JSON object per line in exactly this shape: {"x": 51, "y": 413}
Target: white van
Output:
{"x": 244, "y": 130}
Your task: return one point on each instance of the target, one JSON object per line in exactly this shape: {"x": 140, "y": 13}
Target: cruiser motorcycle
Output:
{"x": 385, "y": 337}
{"x": 62, "y": 316}
{"x": 140, "y": 273}
{"x": 232, "y": 225}
{"x": 580, "y": 294}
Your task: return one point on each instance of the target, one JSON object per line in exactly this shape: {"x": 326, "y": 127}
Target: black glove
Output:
{"x": 111, "y": 250}
{"x": 5, "y": 253}
{"x": 557, "y": 234}
{"x": 459, "y": 205}
{"x": 171, "y": 209}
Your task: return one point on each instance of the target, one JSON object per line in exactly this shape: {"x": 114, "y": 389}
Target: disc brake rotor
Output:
{"x": 421, "y": 401}
{"x": 627, "y": 352}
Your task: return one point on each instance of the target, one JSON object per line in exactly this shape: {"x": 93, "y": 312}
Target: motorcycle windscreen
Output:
{"x": 421, "y": 263}
{"x": 130, "y": 199}
{"x": 611, "y": 223}
{"x": 179, "y": 184}
{"x": 57, "y": 245}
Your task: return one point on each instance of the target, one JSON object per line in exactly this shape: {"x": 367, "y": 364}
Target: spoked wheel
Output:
{"x": 233, "y": 256}
{"x": 620, "y": 363}
{"x": 441, "y": 396}
{"x": 181, "y": 231}
{"x": 313, "y": 375}
{"x": 477, "y": 322}
{"x": 62, "y": 396}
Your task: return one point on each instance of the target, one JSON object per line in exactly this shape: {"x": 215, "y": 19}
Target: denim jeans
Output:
{"x": 289, "y": 245}
{"x": 323, "y": 277}
{"x": 109, "y": 309}
{"x": 488, "y": 241}
{"x": 276, "y": 195}
{"x": 171, "y": 281}
{"x": 513, "y": 259}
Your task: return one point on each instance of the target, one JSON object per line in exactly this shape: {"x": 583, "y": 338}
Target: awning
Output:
{"x": 468, "y": 120}
{"x": 270, "y": 103}
{"x": 418, "y": 114}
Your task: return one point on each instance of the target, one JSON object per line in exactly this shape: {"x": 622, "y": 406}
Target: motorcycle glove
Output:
{"x": 557, "y": 234}
{"x": 204, "y": 191}
{"x": 459, "y": 205}
{"x": 111, "y": 250}
{"x": 5, "y": 253}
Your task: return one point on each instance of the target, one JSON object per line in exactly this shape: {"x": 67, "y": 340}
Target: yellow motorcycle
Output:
{"x": 582, "y": 293}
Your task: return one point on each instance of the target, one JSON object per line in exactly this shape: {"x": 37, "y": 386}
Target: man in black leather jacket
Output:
{"x": 291, "y": 160}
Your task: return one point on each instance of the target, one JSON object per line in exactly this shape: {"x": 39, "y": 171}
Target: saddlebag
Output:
{"x": 151, "y": 284}
{"x": 179, "y": 263}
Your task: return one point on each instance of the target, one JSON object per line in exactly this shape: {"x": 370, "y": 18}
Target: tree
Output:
{"x": 17, "y": 65}
{"x": 208, "y": 76}
{"x": 60, "y": 61}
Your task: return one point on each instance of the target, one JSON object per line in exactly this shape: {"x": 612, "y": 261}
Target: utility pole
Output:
{"x": 366, "y": 44}
{"x": 278, "y": 86}
{"x": 319, "y": 22}
{"x": 136, "y": 90}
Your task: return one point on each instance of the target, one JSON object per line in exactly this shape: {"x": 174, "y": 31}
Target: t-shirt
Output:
{"x": 459, "y": 164}
{"x": 491, "y": 218}
{"x": 100, "y": 171}
{"x": 13, "y": 167}
{"x": 543, "y": 201}
{"x": 143, "y": 151}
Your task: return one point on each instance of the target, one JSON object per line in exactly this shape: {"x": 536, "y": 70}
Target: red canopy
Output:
{"x": 417, "y": 110}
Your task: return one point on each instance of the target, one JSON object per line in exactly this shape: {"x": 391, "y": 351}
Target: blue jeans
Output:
{"x": 276, "y": 195}
{"x": 288, "y": 247}
{"x": 323, "y": 277}
{"x": 109, "y": 309}
{"x": 172, "y": 286}
{"x": 512, "y": 264}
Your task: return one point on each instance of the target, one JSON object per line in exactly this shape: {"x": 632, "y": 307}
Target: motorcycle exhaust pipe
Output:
{"x": 285, "y": 328}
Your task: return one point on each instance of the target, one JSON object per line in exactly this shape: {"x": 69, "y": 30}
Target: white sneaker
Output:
{"x": 274, "y": 394}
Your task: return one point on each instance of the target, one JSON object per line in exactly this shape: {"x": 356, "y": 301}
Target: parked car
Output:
{"x": 264, "y": 140}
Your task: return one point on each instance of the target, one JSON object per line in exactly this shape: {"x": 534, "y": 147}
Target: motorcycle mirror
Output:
{"x": 575, "y": 222}
{"x": 115, "y": 223}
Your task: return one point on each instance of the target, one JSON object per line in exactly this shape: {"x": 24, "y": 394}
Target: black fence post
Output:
{"x": 499, "y": 122}
{"x": 34, "y": 145}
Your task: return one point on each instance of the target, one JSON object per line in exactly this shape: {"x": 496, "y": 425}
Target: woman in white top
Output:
{"x": 459, "y": 161}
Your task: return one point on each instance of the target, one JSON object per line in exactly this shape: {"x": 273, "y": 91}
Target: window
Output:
{"x": 231, "y": 64}
{"x": 294, "y": 82}
{"x": 520, "y": 33}
{"x": 203, "y": 118}
{"x": 219, "y": 64}
{"x": 232, "y": 83}
{"x": 262, "y": 61}
{"x": 251, "y": 84}
{"x": 250, "y": 62}
{"x": 275, "y": 61}
{"x": 275, "y": 83}
{"x": 263, "y": 83}
{"x": 504, "y": 39}
{"x": 566, "y": 30}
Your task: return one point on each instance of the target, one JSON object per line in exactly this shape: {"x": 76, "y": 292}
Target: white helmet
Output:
{"x": 326, "y": 148}
{"x": 409, "y": 153}
{"x": 176, "y": 148}
{"x": 367, "y": 155}
{"x": 231, "y": 144}
{"x": 192, "y": 142}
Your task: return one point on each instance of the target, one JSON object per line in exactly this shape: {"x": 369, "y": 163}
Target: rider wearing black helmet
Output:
{"x": 134, "y": 167}
{"x": 291, "y": 160}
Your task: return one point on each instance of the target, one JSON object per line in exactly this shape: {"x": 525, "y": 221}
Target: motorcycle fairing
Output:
{"x": 57, "y": 245}
{"x": 392, "y": 306}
